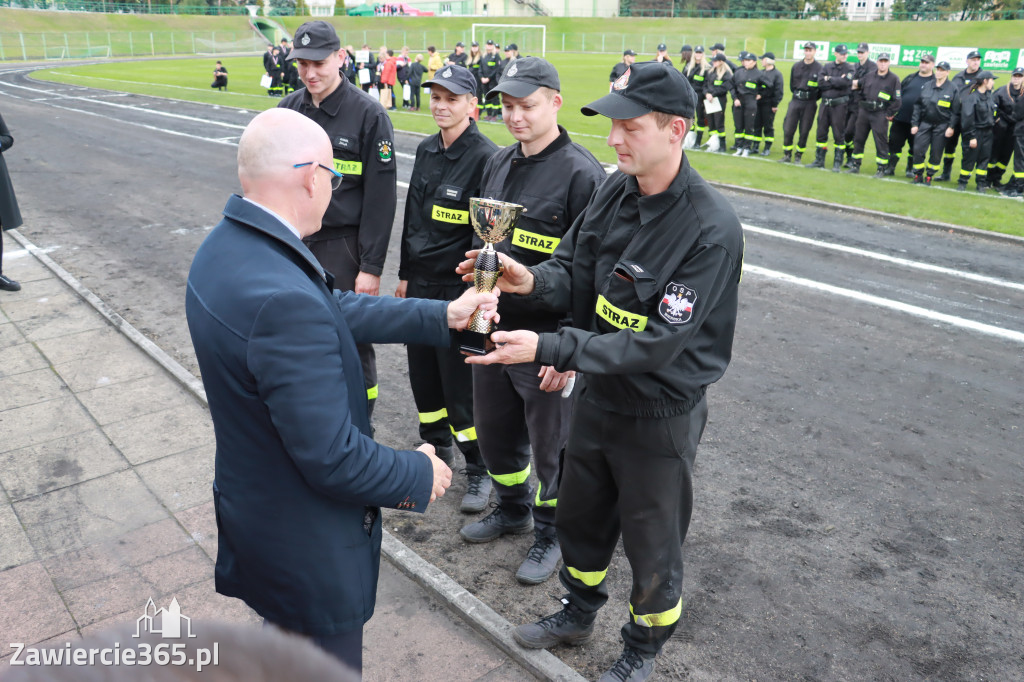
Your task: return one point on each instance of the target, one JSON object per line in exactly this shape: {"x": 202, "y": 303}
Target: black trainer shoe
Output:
{"x": 494, "y": 525}
{"x": 8, "y": 284}
{"x": 541, "y": 561}
{"x": 632, "y": 666}
{"x": 478, "y": 492}
{"x": 568, "y": 626}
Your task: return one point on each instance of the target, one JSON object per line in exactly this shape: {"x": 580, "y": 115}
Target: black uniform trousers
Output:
{"x": 340, "y": 257}
{"x": 929, "y": 136}
{"x": 875, "y": 123}
{"x": 1002, "y": 150}
{"x": 899, "y": 134}
{"x": 832, "y": 118}
{"x": 489, "y": 107}
{"x": 852, "y": 112}
{"x": 513, "y": 417}
{"x": 699, "y": 123}
{"x": 800, "y": 113}
{"x": 764, "y": 125}
{"x": 746, "y": 117}
{"x": 976, "y": 159}
{"x": 630, "y": 476}
{"x": 442, "y": 386}
{"x": 1018, "y": 160}
{"x": 737, "y": 123}
{"x": 716, "y": 122}
{"x": 950, "y": 152}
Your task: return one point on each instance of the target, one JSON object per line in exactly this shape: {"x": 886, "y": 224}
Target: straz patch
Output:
{"x": 534, "y": 242}
{"x": 617, "y": 317}
{"x": 449, "y": 215}
{"x": 385, "y": 151}
{"x": 676, "y": 305}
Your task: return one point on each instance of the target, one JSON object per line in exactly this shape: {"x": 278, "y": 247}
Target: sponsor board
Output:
{"x": 823, "y": 49}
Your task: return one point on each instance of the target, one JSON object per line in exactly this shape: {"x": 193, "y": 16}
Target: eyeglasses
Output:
{"x": 335, "y": 181}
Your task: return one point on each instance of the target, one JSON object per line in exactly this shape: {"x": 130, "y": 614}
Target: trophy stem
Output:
{"x": 486, "y": 272}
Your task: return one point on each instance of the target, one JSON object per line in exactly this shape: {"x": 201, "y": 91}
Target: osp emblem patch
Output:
{"x": 385, "y": 151}
{"x": 676, "y": 305}
{"x": 447, "y": 73}
{"x": 305, "y": 39}
{"x": 513, "y": 71}
{"x": 622, "y": 81}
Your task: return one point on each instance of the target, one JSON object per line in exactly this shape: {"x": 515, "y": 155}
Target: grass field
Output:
{"x": 584, "y": 78}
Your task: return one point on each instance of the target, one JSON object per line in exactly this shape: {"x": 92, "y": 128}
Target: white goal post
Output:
{"x": 515, "y": 29}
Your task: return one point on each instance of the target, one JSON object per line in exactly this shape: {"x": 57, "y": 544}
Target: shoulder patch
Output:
{"x": 385, "y": 151}
{"x": 677, "y": 304}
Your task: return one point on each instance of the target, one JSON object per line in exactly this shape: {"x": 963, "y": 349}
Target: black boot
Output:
{"x": 1013, "y": 188}
{"x": 882, "y": 170}
{"x": 854, "y": 166}
{"x": 961, "y": 185}
{"x": 928, "y": 178}
{"x": 767, "y": 149}
{"x": 797, "y": 156}
{"x": 8, "y": 284}
{"x": 910, "y": 168}
{"x": 849, "y": 156}
{"x": 568, "y": 626}
{"x": 754, "y": 147}
{"x": 889, "y": 169}
{"x": 837, "y": 162}
{"x": 947, "y": 170}
{"x": 982, "y": 186}
{"x": 696, "y": 142}
{"x": 787, "y": 156}
{"x": 819, "y": 158}
{"x": 918, "y": 179}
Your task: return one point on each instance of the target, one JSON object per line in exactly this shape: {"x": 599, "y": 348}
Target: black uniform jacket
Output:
{"x": 554, "y": 186}
{"x": 803, "y": 79}
{"x": 651, "y": 283}
{"x": 718, "y": 86}
{"x": 617, "y": 71}
{"x": 884, "y": 91}
{"x": 490, "y": 67}
{"x": 1018, "y": 115}
{"x": 460, "y": 59}
{"x": 364, "y": 151}
{"x": 935, "y": 105}
{"x": 1006, "y": 99}
{"x": 836, "y": 80}
{"x": 437, "y": 232}
{"x": 911, "y": 89}
{"x": 962, "y": 81}
{"x": 771, "y": 88}
{"x": 697, "y": 77}
{"x": 744, "y": 83}
{"x": 977, "y": 111}
{"x": 10, "y": 214}
{"x": 859, "y": 71}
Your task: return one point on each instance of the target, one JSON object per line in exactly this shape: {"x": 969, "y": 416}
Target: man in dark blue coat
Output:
{"x": 299, "y": 480}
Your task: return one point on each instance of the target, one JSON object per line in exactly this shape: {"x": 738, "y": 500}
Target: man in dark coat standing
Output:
{"x": 299, "y": 480}
{"x": 10, "y": 215}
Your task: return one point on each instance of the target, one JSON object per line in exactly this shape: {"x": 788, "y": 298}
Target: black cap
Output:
{"x": 646, "y": 87}
{"x": 686, "y": 48}
{"x": 942, "y": 65}
{"x": 884, "y": 57}
{"x": 512, "y": 46}
{"x": 699, "y": 48}
{"x": 460, "y": 44}
{"x": 315, "y": 40}
{"x": 982, "y": 75}
{"x": 841, "y": 49}
{"x": 662, "y": 47}
{"x": 1019, "y": 71}
{"x": 490, "y": 42}
{"x": 456, "y": 79}
{"x": 628, "y": 53}
{"x": 810, "y": 46}
{"x": 744, "y": 56}
{"x": 928, "y": 57}
{"x": 769, "y": 55}
{"x": 718, "y": 46}
{"x": 974, "y": 54}
{"x": 474, "y": 44}
{"x": 524, "y": 76}
{"x": 718, "y": 58}
{"x": 863, "y": 47}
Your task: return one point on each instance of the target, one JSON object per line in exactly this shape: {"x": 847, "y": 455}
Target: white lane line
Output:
{"x": 22, "y": 253}
{"x": 916, "y": 311}
{"x": 928, "y": 267}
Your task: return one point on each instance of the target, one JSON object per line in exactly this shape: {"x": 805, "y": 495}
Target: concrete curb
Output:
{"x": 478, "y": 615}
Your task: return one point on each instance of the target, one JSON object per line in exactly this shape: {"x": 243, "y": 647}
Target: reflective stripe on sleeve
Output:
{"x": 588, "y": 578}
{"x": 509, "y": 480}
{"x": 465, "y": 435}
{"x": 372, "y": 391}
{"x": 617, "y": 317}
{"x": 654, "y": 620}
{"x": 431, "y": 417}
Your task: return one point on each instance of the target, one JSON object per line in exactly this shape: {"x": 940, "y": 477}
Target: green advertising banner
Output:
{"x": 998, "y": 60}
{"x": 910, "y": 55}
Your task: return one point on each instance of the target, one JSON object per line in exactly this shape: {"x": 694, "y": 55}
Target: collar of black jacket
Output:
{"x": 332, "y": 103}
{"x": 460, "y": 145}
{"x": 559, "y": 142}
{"x": 653, "y": 205}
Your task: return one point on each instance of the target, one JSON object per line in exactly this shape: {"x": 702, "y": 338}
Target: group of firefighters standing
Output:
{"x": 929, "y": 112}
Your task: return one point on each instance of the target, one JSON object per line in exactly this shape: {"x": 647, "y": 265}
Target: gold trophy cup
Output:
{"x": 493, "y": 221}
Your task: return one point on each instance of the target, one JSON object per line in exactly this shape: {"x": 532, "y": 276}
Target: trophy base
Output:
{"x": 474, "y": 343}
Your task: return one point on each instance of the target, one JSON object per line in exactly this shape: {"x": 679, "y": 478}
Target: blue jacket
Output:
{"x": 299, "y": 480}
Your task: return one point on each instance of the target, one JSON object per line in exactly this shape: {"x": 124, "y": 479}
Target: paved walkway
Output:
{"x": 106, "y": 464}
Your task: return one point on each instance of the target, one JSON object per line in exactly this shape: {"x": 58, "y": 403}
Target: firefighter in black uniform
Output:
{"x": 353, "y": 242}
{"x": 696, "y": 71}
{"x": 272, "y": 65}
{"x": 901, "y": 130}
{"x": 717, "y": 86}
{"x": 977, "y": 118}
{"x": 930, "y": 124}
{"x": 863, "y": 67}
{"x": 803, "y": 83}
{"x": 511, "y": 54}
{"x": 650, "y": 274}
{"x": 289, "y": 75}
{"x": 718, "y": 50}
{"x": 436, "y": 235}
{"x": 523, "y": 407}
{"x": 459, "y": 56}
{"x": 835, "y": 84}
{"x": 770, "y": 91}
{"x": 962, "y": 81}
{"x": 744, "y": 97}
{"x": 881, "y": 102}
{"x": 628, "y": 57}
{"x": 1016, "y": 187}
{"x": 662, "y": 55}
{"x": 1002, "y": 135}
{"x": 490, "y": 71}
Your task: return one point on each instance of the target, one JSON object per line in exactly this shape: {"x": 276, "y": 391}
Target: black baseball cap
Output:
{"x": 748, "y": 55}
{"x": 686, "y": 48}
{"x": 460, "y": 44}
{"x": 490, "y": 42}
{"x": 718, "y": 46}
{"x": 662, "y": 47}
{"x": 769, "y": 55}
{"x": 810, "y": 46}
{"x": 315, "y": 40}
{"x": 942, "y": 65}
{"x": 699, "y": 48}
{"x": 474, "y": 44}
{"x": 524, "y": 76}
{"x": 863, "y": 47}
{"x": 628, "y": 53}
{"x": 884, "y": 57}
{"x": 718, "y": 58}
{"x": 928, "y": 57}
{"x": 646, "y": 87}
{"x": 974, "y": 54}
{"x": 456, "y": 79}
{"x": 512, "y": 46}
{"x": 841, "y": 49}
{"x": 982, "y": 75}
{"x": 1019, "y": 71}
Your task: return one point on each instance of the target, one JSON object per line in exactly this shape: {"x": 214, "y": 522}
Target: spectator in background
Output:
{"x": 416, "y": 71}
{"x": 10, "y": 215}
{"x": 220, "y": 77}
{"x": 717, "y": 87}
{"x": 628, "y": 57}
{"x": 434, "y": 62}
{"x": 662, "y": 55}
{"x": 348, "y": 64}
{"x": 388, "y": 78}
{"x": 272, "y": 65}
{"x": 370, "y": 66}
{"x": 696, "y": 72}
{"x": 511, "y": 54}
{"x": 402, "y": 75}
{"x": 769, "y": 96}
{"x": 459, "y": 55}
{"x": 685, "y": 52}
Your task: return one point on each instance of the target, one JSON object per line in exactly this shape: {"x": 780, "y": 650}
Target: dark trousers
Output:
{"x": 737, "y": 122}
{"x": 1002, "y": 150}
{"x": 875, "y": 123}
{"x": 610, "y": 486}
{"x": 442, "y": 386}
{"x": 764, "y": 125}
{"x": 699, "y": 122}
{"x": 340, "y": 257}
{"x": 716, "y": 121}
{"x": 492, "y": 107}
{"x": 852, "y": 112}
{"x": 976, "y": 159}
{"x": 899, "y": 134}
{"x": 415, "y": 101}
{"x": 800, "y": 114}
{"x": 832, "y": 118}
{"x": 1018, "y": 160}
{"x": 929, "y": 136}
{"x": 950, "y": 152}
{"x": 347, "y": 647}
{"x": 746, "y": 117}
{"x": 513, "y": 416}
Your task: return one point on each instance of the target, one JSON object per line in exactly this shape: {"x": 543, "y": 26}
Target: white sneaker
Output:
{"x": 746, "y": 153}
{"x": 738, "y": 152}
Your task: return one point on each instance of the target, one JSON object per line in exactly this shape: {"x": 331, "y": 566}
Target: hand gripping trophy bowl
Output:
{"x": 493, "y": 221}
